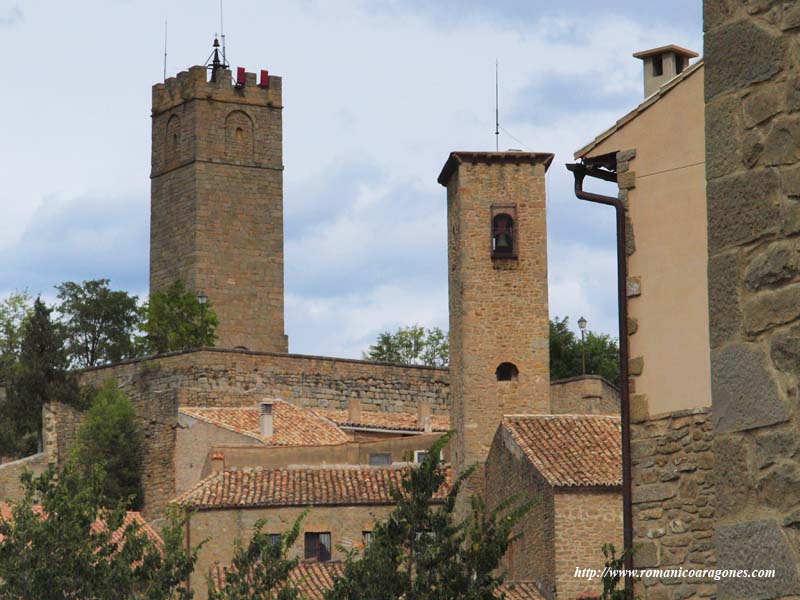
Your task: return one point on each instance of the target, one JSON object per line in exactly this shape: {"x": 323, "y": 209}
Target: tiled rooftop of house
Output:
{"x": 313, "y": 579}
{"x": 570, "y": 450}
{"x": 394, "y": 421}
{"x": 131, "y": 517}
{"x": 292, "y": 425}
{"x": 343, "y": 485}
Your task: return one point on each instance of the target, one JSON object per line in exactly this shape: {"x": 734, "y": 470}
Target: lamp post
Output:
{"x": 582, "y": 325}
{"x": 202, "y": 299}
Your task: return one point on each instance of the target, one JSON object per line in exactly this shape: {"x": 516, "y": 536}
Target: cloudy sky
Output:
{"x": 376, "y": 93}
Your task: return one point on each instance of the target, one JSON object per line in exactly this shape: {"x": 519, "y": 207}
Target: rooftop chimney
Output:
{"x": 217, "y": 462}
{"x": 266, "y": 418}
{"x": 354, "y": 410}
{"x": 662, "y": 64}
{"x": 424, "y": 416}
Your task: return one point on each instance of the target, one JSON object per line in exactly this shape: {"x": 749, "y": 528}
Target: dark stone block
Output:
{"x": 725, "y": 315}
{"x": 780, "y": 488}
{"x": 756, "y": 545}
{"x": 722, "y": 137}
{"x": 774, "y": 445}
{"x": 735, "y": 485}
{"x": 770, "y": 309}
{"x": 739, "y": 54}
{"x": 785, "y": 350}
{"x": 742, "y": 208}
{"x": 777, "y": 264}
{"x": 744, "y": 393}
{"x": 782, "y": 145}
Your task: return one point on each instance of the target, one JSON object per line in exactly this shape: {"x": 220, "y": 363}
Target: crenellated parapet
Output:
{"x": 200, "y": 83}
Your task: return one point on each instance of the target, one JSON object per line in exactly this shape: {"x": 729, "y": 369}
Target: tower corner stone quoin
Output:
{"x": 499, "y": 322}
{"x": 217, "y": 200}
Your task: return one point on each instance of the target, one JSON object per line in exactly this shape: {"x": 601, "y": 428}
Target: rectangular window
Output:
{"x": 419, "y": 455}
{"x": 318, "y": 546}
{"x": 380, "y": 459}
{"x": 366, "y": 537}
{"x": 275, "y": 539}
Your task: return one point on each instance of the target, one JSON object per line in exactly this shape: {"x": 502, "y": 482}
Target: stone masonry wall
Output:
{"x": 218, "y": 377}
{"x": 584, "y": 395}
{"x": 584, "y": 520}
{"x": 509, "y": 472}
{"x": 673, "y": 501}
{"x": 752, "y": 89}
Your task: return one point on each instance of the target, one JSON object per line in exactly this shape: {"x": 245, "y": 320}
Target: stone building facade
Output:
{"x": 752, "y": 93}
{"x": 217, "y": 200}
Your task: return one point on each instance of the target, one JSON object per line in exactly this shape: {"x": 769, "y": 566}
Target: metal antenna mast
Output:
{"x": 496, "y": 106}
{"x": 165, "y": 49}
{"x": 222, "y": 34}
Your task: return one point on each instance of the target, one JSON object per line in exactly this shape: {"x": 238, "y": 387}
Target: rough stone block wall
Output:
{"x": 673, "y": 501}
{"x": 584, "y": 521}
{"x": 217, "y": 201}
{"x": 218, "y": 377}
{"x": 509, "y": 472}
{"x": 752, "y": 89}
{"x": 10, "y": 472}
{"x": 584, "y": 395}
{"x": 222, "y": 527}
{"x": 158, "y": 412}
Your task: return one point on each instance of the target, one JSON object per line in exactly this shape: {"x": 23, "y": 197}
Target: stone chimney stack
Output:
{"x": 424, "y": 416}
{"x": 354, "y": 410}
{"x": 662, "y": 64}
{"x": 266, "y": 418}
{"x": 217, "y": 462}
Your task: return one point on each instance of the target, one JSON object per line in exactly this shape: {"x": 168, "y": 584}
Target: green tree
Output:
{"x": 602, "y": 353}
{"x": 111, "y": 436}
{"x": 15, "y": 310}
{"x": 413, "y": 345}
{"x": 176, "y": 320}
{"x": 99, "y": 323}
{"x": 422, "y": 552}
{"x": 261, "y": 570}
{"x": 40, "y": 376}
{"x": 59, "y": 543}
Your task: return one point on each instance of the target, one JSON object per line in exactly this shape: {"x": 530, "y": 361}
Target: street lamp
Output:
{"x": 202, "y": 300}
{"x": 582, "y": 325}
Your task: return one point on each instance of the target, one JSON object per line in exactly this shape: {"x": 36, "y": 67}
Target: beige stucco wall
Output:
{"x": 221, "y": 527}
{"x": 667, "y": 208}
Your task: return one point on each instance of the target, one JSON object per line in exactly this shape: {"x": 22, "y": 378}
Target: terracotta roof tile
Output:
{"x": 292, "y": 425}
{"x": 571, "y": 450}
{"x": 312, "y": 579}
{"x": 98, "y": 526}
{"x": 344, "y": 485}
{"x": 398, "y": 421}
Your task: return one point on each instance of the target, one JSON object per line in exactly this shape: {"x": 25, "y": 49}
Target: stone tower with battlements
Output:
{"x": 217, "y": 199}
{"x": 499, "y": 323}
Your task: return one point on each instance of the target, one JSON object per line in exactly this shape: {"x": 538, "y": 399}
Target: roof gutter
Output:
{"x": 608, "y": 173}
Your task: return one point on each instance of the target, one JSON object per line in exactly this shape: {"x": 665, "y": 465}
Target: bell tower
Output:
{"x": 216, "y": 219}
{"x": 499, "y": 322}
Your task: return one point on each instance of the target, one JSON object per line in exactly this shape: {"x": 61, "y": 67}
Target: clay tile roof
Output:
{"x": 292, "y": 425}
{"x": 312, "y": 579}
{"x": 521, "y": 590}
{"x": 396, "y": 421}
{"x": 98, "y": 526}
{"x": 570, "y": 450}
{"x": 343, "y": 485}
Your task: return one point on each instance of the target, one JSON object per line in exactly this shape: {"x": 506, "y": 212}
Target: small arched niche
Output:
{"x": 507, "y": 372}
{"x": 172, "y": 141}
{"x": 239, "y": 136}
